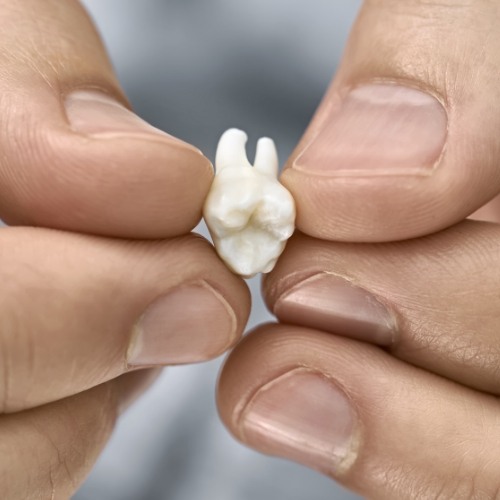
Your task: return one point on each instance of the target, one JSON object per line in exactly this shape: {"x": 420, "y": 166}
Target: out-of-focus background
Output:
{"x": 195, "y": 68}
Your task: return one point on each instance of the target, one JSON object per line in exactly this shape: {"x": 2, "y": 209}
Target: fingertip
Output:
{"x": 355, "y": 413}
{"x": 404, "y": 142}
{"x": 74, "y": 156}
{"x": 105, "y": 171}
{"x": 286, "y": 403}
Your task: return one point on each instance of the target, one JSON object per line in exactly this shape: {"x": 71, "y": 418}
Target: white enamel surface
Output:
{"x": 250, "y": 215}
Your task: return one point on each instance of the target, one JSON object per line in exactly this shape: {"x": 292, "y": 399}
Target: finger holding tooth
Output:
{"x": 250, "y": 215}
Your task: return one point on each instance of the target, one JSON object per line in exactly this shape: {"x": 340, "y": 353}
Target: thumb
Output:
{"x": 405, "y": 142}
{"x": 73, "y": 154}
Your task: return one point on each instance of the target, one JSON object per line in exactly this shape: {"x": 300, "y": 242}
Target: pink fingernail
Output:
{"x": 377, "y": 130}
{"x": 333, "y": 304}
{"x": 97, "y": 114}
{"x": 191, "y": 323}
{"x": 303, "y": 416}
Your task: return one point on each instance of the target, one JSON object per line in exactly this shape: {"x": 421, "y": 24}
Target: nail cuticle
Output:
{"x": 399, "y": 82}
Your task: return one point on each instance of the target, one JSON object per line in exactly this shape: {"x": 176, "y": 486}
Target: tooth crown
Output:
{"x": 250, "y": 215}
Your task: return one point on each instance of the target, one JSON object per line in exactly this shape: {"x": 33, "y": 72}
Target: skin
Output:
{"x": 76, "y": 240}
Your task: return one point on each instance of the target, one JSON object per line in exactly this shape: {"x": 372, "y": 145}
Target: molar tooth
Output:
{"x": 250, "y": 215}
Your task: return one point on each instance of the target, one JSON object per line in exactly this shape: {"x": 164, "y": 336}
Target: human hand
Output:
{"x": 384, "y": 372}
{"x": 79, "y": 311}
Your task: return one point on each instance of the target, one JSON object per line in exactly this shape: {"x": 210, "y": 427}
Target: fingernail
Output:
{"x": 191, "y": 323}
{"x": 377, "y": 130}
{"x": 303, "y": 416}
{"x": 97, "y": 114}
{"x": 333, "y": 304}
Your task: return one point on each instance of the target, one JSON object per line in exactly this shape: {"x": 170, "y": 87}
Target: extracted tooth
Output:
{"x": 250, "y": 215}
{"x": 266, "y": 157}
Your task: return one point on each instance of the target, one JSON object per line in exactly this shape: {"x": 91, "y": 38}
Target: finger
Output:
{"x": 379, "y": 426}
{"x": 73, "y": 154}
{"x": 48, "y": 451}
{"x": 432, "y": 301}
{"x": 76, "y": 311}
{"x": 489, "y": 212}
{"x": 404, "y": 142}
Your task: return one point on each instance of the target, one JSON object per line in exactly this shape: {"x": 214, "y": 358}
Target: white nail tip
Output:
{"x": 250, "y": 215}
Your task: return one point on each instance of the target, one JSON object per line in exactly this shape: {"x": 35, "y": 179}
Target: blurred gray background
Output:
{"x": 195, "y": 68}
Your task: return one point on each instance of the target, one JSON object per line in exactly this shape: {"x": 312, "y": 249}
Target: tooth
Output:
{"x": 266, "y": 157}
{"x": 250, "y": 215}
{"x": 231, "y": 150}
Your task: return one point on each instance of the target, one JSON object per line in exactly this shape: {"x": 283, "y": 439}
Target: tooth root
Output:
{"x": 231, "y": 150}
{"x": 266, "y": 157}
